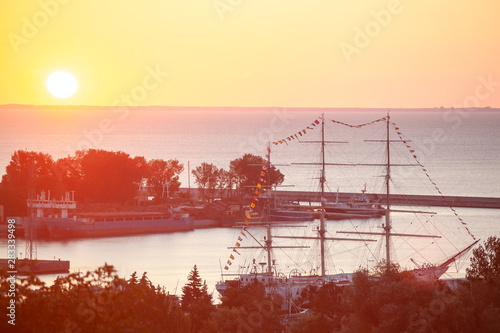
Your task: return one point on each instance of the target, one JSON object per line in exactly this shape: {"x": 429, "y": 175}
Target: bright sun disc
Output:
{"x": 61, "y": 84}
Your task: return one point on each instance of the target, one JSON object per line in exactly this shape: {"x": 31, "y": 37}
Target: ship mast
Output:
{"x": 322, "y": 229}
{"x": 268, "y": 241}
{"x": 267, "y": 245}
{"x": 31, "y": 244}
{"x": 387, "y": 227}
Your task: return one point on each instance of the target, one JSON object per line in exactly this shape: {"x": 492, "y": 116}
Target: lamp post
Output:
{"x": 167, "y": 184}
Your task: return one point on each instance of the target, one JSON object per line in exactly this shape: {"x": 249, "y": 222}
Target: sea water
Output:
{"x": 458, "y": 150}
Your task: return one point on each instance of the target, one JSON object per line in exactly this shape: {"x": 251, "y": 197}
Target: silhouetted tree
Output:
{"x": 485, "y": 261}
{"x": 110, "y": 177}
{"x": 70, "y": 172}
{"x": 224, "y": 182}
{"x": 196, "y": 300}
{"x": 16, "y": 181}
{"x": 162, "y": 172}
{"x": 256, "y": 309}
{"x": 98, "y": 301}
{"x": 207, "y": 177}
{"x": 247, "y": 169}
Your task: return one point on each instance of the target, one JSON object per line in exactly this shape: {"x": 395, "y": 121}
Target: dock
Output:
{"x": 395, "y": 199}
{"x": 35, "y": 266}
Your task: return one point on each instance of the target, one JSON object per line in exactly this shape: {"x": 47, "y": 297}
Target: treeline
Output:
{"x": 96, "y": 176}
{"x": 385, "y": 301}
{"x": 100, "y": 176}
{"x": 242, "y": 176}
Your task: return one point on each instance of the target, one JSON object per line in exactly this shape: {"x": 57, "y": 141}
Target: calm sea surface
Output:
{"x": 460, "y": 152}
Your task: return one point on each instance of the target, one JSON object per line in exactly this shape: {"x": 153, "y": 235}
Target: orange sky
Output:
{"x": 323, "y": 53}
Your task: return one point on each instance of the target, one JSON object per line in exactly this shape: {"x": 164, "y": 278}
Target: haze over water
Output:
{"x": 460, "y": 149}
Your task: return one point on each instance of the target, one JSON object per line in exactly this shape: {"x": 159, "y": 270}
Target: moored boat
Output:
{"x": 109, "y": 225}
{"x": 290, "y": 286}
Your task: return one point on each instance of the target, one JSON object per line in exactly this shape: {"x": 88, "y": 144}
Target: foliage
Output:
{"x": 207, "y": 177}
{"x": 225, "y": 182}
{"x": 246, "y": 170}
{"x": 100, "y": 301}
{"x": 398, "y": 302}
{"x": 226, "y": 320}
{"x": 485, "y": 262}
{"x": 317, "y": 323}
{"x": 384, "y": 304}
{"x": 161, "y": 172}
{"x": 256, "y": 310}
{"x": 109, "y": 176}
{"x": 97, "y": 176}
{"x": 196, "y": 300}
{"x": 23, "y": 166}
{"x": 324, "y": 300}
{"x": 97, "y": 301}
{"x": 324, "y": 306}
{"x": 381, "y": 269}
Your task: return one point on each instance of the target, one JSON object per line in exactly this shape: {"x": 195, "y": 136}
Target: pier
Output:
{"x": 395, "y": 199}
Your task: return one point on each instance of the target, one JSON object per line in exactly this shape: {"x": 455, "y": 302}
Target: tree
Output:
{"x": 381, "y": 269}
{"x": 98, "y": 301}
{"x": 162, "y": 172}
{"x": 257, "y": 310}
{"x": 247, "y": 170}
{"x": 485, "y": 262}
{"x": 109, "y": 177}
{"x": 196, "y": 300}
{"x": 23, "y": 168}
{"x": 70, "y": 171}
{"x": 224, "y": 182}
{"x": 388, "y": 304}
{"x": 207, "y": 177}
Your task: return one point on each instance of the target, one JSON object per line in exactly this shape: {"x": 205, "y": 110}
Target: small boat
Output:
{"x": 360, "y": 206}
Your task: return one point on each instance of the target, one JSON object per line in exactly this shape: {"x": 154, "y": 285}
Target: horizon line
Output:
{"x": 262, "y": 108}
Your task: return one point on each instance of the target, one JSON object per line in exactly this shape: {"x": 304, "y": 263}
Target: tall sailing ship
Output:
{"x": 291, "y": 282}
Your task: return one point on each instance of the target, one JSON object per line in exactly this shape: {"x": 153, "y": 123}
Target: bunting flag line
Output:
{"x": 296, "y": 136}
{"x": 412, "y": 152}
{"x": 248, "y": 218}
{"x": 361, "y": 125}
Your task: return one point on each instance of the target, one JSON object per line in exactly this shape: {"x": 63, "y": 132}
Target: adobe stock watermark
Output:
{"x": 255, "y": 319}
{"x": 121, "y": 109}
{"x": 31, "y": 26}
{"x": 424, "y": 319}
{"x": 278, "y": 122}
{"x": 455, "y": 116}
{"x": 223, "y": 6}
{"x": 363, "y": 36}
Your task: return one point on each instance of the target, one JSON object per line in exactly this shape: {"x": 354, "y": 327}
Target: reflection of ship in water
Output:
{"x": 289, "y": 284}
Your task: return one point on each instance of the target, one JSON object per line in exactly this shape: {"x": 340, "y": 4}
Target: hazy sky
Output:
{"x": 318, "y": 53}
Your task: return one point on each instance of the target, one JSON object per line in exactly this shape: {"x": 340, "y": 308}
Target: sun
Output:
{"x": 62, "y": 84}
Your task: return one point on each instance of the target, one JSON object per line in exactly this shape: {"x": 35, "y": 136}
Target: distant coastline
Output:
{"x": 240, "y": 108}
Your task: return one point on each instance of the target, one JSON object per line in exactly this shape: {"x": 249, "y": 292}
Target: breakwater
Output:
{"x": 396, "y": 199}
